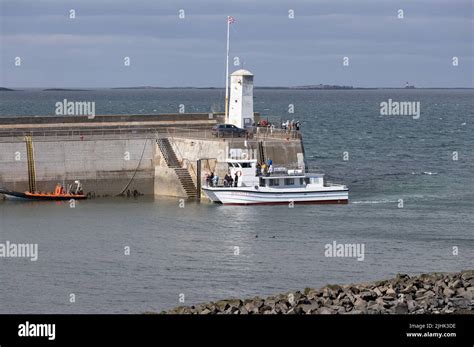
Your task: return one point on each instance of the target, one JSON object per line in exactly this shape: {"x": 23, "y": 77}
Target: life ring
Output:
{"x": 239, "y": 173}
{"x": 243, "y": 155}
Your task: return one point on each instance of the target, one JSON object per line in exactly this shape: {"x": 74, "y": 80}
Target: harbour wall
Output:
{"x": 213, "y": 154}
{"x": 104, "y": 166}
{"x": 108, "y": 166}
{"x": 120, "y": 154}
{"x": 107, "y": 153}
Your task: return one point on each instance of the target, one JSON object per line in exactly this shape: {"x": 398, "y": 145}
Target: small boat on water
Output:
{"x": 282, "y": 187}
{"x": 58, "y": 195}
{"x": 72, "y": 191}
{"x": 41, "y": 196}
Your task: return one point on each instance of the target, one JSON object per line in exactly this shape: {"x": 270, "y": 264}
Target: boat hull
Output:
{"x": 242, "y": 196}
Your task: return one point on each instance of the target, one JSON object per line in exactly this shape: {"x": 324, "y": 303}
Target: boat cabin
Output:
{"x": 246, "y": 170}
{"x": 292, "y": 181}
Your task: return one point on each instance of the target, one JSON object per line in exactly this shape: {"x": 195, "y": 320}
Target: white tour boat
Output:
{"x": 282, "y": 187}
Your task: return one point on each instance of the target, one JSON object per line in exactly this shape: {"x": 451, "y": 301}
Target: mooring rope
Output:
{"x": 136, "y": 169}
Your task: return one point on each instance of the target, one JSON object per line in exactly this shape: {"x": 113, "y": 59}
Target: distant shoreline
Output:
{"x": 4, "y": 89}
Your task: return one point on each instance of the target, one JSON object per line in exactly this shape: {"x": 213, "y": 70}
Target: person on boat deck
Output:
{"x": 264, "y": 169}
{"x": 228, "y": 180}
{"x": 58, "y": 190}
{"x": 211, "y": 179}
{"x": 215, "y": 181}
{"x": 259, "y": 169}
{"x": 270, "y": 166}
{"x": 236, "y": 180}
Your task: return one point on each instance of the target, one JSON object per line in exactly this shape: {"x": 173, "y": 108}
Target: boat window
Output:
{"x": 273, "y": 182}
{"x": 289, "y": 181}
{"x": 306, "y": 180}
{"x": 301, "y": 181}
{"x": 262, "y": 182}
{"x": 246, "y": 165}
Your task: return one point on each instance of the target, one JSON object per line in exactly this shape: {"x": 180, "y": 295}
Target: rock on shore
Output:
{"x": 425, "y": 294}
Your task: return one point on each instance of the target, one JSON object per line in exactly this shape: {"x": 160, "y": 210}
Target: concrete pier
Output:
{"x": 104, "y": 121}
{"x": 115, "y": 154}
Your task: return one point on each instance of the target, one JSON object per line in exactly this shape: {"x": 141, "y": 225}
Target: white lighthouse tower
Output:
{"x": 241, "y": 98}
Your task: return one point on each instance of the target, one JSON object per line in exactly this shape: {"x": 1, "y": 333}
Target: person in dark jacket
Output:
{"x": 228, "y": 181}
{"x": 211, "y": 179}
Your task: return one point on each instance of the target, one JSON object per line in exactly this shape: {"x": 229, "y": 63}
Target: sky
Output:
{"x": 90, "y": 50}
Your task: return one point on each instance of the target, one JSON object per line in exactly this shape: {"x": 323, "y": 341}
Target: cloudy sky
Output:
{"x": 166, "y": 50}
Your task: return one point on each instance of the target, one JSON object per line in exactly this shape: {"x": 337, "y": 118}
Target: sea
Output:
{"x": 411, "y": 191}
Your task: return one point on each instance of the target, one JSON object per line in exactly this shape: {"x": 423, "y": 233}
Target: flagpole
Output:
{"x": 227, "y": 75}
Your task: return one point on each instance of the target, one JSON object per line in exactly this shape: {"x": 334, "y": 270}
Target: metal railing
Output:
{"x": 255, "y": 133}
{"x": 270, "y": 132}
{"x": 74, "y": 133}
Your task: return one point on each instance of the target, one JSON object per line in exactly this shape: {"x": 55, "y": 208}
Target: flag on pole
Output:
{"x": 231, "y": 19}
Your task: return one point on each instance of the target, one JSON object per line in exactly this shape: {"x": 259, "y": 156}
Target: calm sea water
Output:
{"x": 190, "y": 250}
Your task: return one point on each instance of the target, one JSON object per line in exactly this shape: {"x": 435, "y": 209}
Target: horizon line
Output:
{"x": 300, "y": 87}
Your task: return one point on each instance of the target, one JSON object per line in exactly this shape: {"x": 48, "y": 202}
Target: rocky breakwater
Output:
{"x": 425, "y": 294}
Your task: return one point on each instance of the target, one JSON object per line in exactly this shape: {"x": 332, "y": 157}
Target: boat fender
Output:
{"x": 239, "y": 173}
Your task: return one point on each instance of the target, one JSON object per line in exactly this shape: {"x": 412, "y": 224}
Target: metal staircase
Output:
{"x": 172, "y": 162}
{"x": 168, "y": 153}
